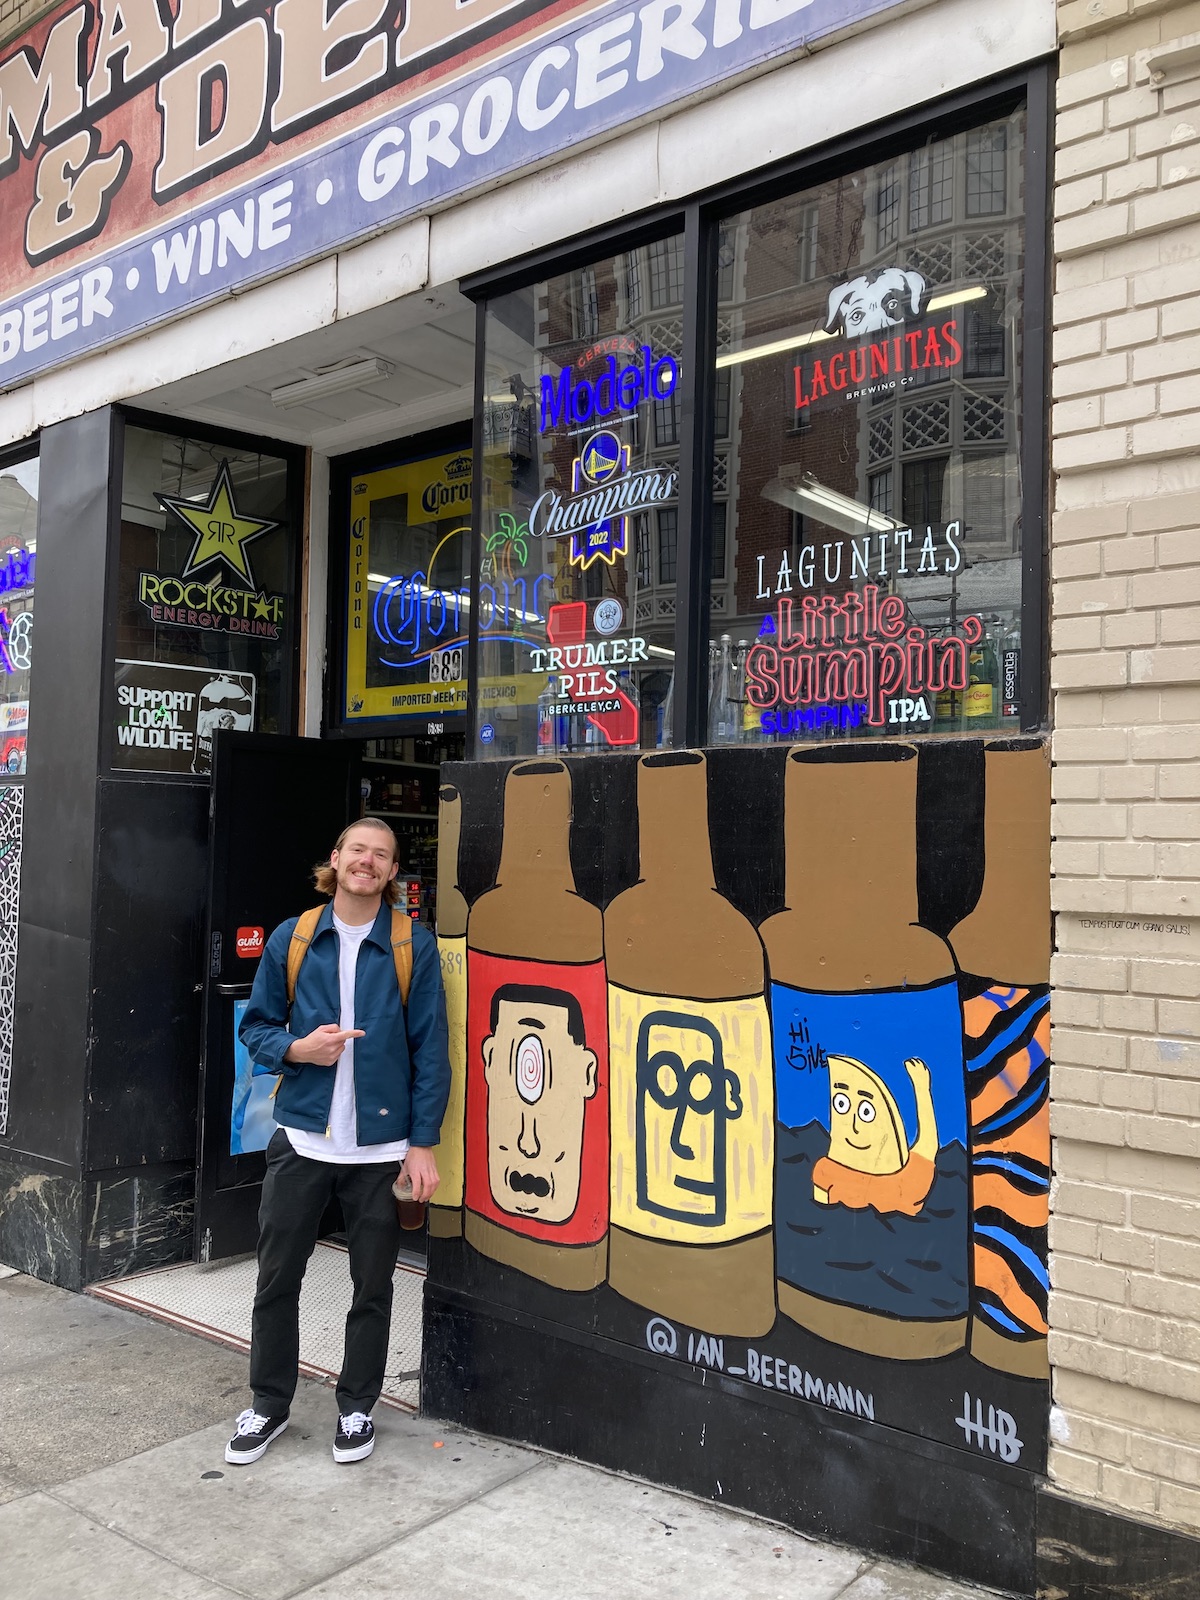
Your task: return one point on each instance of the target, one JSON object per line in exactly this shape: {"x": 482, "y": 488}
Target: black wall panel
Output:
{"x": 51, "y": 1026}
{"x": 147, "y": 972}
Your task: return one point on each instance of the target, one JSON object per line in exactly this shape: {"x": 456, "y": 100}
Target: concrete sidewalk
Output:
{"x": 113, "y": 1486}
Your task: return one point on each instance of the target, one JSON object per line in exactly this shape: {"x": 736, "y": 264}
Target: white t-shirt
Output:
{"x": 340, "y": 1142}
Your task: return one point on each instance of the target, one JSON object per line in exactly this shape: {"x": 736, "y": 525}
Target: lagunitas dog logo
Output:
{"x": 249, "y": 942}
{"x": 874, "y": 302}
{"x": 874, "y": 306}
{"x": 202, "y": 596}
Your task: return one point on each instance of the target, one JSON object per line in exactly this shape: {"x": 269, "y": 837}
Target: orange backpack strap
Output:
{"x": 306, "y": 926}
{"x": 402, "y": 953}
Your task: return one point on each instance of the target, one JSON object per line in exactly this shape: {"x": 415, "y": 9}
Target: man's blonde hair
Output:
{"x": 325, "y": 877}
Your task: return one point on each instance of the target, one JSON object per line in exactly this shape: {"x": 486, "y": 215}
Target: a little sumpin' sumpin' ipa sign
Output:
{"x": 872, "y": 1220}
{"x": 537, "y": 1049}
{"x": 445, "y": 1211}
{"x": 692, "y": 1107}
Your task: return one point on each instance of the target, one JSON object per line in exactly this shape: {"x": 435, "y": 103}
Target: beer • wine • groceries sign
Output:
{"x": 142, "y": 146}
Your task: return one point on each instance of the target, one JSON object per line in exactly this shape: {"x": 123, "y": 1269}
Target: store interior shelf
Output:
{"x": 408, "y": 816}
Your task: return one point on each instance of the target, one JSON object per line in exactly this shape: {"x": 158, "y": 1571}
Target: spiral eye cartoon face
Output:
{"x": 539, "y": 1075}
{"x": 530, "y": 1069}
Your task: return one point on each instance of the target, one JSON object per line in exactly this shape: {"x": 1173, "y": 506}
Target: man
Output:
{"x": 354, "y": 1103}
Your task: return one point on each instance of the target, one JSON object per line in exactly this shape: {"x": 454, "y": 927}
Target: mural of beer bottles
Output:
{"x": 445, "y": 1211}
{"x": 872, "y": 1221}
{"x": 537, "y": 1049}
{"x": 1003, "y": 950}
{"x": 692, "y": 1103}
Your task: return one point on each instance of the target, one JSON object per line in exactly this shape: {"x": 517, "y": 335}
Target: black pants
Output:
{"x": 294, "y": 1196}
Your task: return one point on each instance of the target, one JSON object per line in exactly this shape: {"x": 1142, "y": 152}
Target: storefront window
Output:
{"x": 866, "y": 533}
{"x": 408, "y": 590}
{"x": 206, "y": 600}
{"x": 18, "y": 564}
{"x": 581, "y": 426}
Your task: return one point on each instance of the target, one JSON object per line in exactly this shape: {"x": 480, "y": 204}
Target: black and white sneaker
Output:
{"x": 254, "y": 1434}
{"x": 355, "y": 1437}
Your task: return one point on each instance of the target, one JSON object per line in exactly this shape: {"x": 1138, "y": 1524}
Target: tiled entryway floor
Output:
{"x": 214, "y": 1299}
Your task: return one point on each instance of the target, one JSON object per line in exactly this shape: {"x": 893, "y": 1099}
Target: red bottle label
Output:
{"x": 537, "y": 1097}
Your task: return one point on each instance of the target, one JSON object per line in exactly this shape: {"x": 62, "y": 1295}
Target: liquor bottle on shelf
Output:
{"x": 689, "y": 1047}
{"x": 1003, "y": 951}
{"x": 871, "y": 1194}
{"x": 547, "y": 720}
{"x": 537, "y": 1049}
{"x": 980, "y": 706}
{"x": 445, "y": 1211}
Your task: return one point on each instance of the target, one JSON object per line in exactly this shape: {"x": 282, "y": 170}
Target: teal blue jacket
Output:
{"x": 401, "y": 1064}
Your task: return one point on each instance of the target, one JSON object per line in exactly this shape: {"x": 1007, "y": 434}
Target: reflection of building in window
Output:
{"x": 987, "y": 168}
{"x": 887, "y": 206}
{"x": 666, "y": 272}
{"x": 923, "y": 482}
{"x": 930, "y": 186}
{"x": 666, "y": 419}
{"x": 806, "y": 243}
{"x": 641, "y": 537}
{"x": 585, "y": 304}
{"x": 925, "y": 448}
{"x": 668, "y": 540}
{"x": 719, "y": 528}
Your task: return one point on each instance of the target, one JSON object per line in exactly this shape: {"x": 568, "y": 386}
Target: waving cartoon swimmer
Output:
{"x": 869, "y": 1161}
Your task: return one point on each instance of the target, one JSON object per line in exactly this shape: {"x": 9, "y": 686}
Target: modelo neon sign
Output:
{"x": 856, "y": 648}
{"x": 583, "y": 401}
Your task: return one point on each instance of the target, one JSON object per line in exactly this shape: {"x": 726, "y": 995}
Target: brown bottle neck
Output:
{"x": 673, "y": 823}
{"x": 1007, "y": 935}
{"x": 534, "y": 911}
{"x": 852, "y": 835}
{"x": 851, "y": 877}
{"x": 536, "y": 848}
{"x": 451, "y": 903}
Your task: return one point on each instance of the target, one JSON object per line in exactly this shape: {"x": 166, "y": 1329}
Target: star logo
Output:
{"x": 222, "y": 532}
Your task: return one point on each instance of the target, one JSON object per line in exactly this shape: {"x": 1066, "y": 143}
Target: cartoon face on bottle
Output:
{"x": 870, "y": 1162}
{"x": 686, "y": 1097}
{"x": 540, "y": 1074}
{"x": 866, "y": 1130}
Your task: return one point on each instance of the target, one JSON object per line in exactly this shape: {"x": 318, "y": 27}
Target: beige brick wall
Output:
{"x": 1125, "y": 1312}
{"x": 17, "y": 15}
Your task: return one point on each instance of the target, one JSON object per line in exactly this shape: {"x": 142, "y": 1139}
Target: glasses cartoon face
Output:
{"x": 686, "y": 1097}
{"x": 866, "y": 1129}
{"x": 539, "y": 1076}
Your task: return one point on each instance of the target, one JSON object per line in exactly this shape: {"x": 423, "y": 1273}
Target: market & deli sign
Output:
{"x": 159, "y": 128}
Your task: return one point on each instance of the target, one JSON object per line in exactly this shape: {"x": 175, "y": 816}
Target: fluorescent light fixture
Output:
{"x": 804, "y": 494}
{"x": 322, "y": 384}
{"x": 756, "y": 352}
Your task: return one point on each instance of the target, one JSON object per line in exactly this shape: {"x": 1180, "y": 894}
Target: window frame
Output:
{"x": 295, "y": 457}
{"x": 701, "y": 217}
{"x": 27, "y": 450}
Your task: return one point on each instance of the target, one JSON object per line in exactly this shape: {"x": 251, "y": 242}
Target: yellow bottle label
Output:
{"x": 978, "y": 701}
{"x": 693, "y": 1116}
{"x": 453, "y": 952}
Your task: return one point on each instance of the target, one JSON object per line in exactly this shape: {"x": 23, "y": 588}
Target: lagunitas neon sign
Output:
{"x": 586, "y": 399}
{"x": 857, "y": 647}
{"x": 879, "y": 367}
